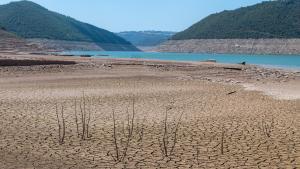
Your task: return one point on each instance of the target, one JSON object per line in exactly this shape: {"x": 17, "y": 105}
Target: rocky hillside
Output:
{"x": 232, "y": 46}
{"x": 29, "y": 20}
{"x": 4, "y": 34}
{"x": 10, "y": 42}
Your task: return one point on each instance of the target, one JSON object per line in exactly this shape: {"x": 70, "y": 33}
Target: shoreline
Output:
{"x": 258, "y": 46}
{"x": 274, "y": 66}
{"x": 255, "y": 85}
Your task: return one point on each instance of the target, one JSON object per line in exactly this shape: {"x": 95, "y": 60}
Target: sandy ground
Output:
{"x": 167, "y": 115}
{"x": 288, "y": 91}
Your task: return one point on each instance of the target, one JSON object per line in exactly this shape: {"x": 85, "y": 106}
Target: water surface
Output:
{"x": 278, "y": 61}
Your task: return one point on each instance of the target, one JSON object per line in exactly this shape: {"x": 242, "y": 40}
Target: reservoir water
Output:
{"x": 278, "y": 61}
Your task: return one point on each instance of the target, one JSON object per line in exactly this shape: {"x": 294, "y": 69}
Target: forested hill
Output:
{"x": 270, "y": 19}
{"x": 30, "y": 20}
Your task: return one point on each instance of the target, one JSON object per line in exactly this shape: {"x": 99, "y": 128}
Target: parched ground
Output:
{"x": 164, "y": 117}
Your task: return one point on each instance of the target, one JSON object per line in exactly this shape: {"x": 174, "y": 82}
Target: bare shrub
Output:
{"x": 82, "y": 120}
{"x": 169, "y": 139}
{"x": 84, "y": 117}
{"x": 121, "y": 148}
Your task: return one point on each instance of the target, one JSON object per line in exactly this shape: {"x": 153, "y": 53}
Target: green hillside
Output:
{"x": 270, "y": 19}
{"x": 30, "y": 20}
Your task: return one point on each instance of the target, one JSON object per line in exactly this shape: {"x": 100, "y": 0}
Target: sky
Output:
{"x": 138, "y": 15}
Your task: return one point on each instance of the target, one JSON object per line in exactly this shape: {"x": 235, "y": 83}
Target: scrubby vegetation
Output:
{"x": 272, "y": 19}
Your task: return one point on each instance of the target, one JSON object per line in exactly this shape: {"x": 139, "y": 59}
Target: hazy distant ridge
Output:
{"x": 146, "y": 38}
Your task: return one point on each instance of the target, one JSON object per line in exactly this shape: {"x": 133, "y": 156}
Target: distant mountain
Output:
{"x": 30, "y": 20}
{"x": 146, "y": 38}
{"x": 270, "y": 19}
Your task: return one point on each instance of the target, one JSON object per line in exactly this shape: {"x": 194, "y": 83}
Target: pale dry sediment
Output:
{"x": 241, "y": 46}
{"x": 287, "y": 91}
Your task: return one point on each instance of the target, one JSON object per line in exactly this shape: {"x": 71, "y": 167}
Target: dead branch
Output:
{"x": 230, "y": 93}
{"x": 58, "y": 123}
{"x": 121, "y": 153}
{"x": 115, "y": 138}
{"x": 176, "y": 133}
{"x": 140, "y": 130}
{"x": 232, "y": 68}
{"x": 222, "y": 140}
{"x": 165, "y": 137}
{"x": 267, "y": 128}
{"x": 83, "y": 116}
{"x": 61, "y": 124}
{"x": 198, "y": 152}
{"x": 88, "y": 122}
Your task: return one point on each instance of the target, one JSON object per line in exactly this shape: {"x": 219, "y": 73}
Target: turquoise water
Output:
{"x": 279, "y": 61}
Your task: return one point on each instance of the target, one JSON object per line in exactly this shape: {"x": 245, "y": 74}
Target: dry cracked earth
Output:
{"x": 142, "y": 119}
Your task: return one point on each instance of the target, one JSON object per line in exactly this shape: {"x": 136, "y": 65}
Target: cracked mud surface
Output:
{"x": 245, "y": 129}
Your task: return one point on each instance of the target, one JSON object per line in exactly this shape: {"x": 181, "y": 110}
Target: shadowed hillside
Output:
{"x": 30, "y": 20}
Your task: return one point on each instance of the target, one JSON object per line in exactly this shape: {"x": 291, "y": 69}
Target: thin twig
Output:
{"x": 63, "y": 124}
{"x": 166, "y": 149}
{"x": 165, "y": 137}
{"x": 76, "y": 119}
{"x": 88, "y": 122}
{"x": 58, "y": 123}
{"x": 83, "y": 118}
{"x": 115, "y": 136}
{"x": 175, "y": 133}
{"x": 222, "y": 140}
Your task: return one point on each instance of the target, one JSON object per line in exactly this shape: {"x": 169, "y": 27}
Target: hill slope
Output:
{"x": 146, "y": 38}
{"x": 4, "y": 34}
{"x": 30, "y": 20}
{"x": 9, "y": 42}
{"x": 272, "y": 19}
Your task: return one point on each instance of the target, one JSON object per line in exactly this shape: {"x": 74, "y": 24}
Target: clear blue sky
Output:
{"x": 125, "y": 15}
